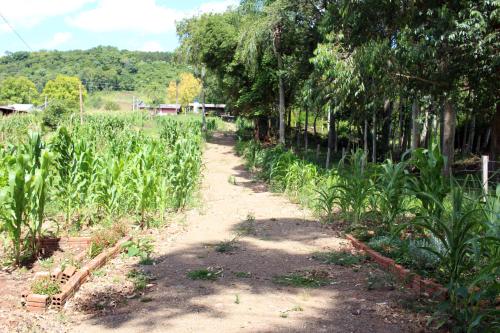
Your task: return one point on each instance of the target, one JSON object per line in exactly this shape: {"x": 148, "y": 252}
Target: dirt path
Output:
{"x": 279, "y": 238}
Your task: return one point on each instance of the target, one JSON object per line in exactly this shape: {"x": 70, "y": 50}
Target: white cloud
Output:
{"x": 217, "y": 6}
{"x": 28, "y": 13}
{"x": 151, "y": 46}
{"x": 118, "y": 15}
{"x": 58, "y": 39}
{"x": 143, "y": 16}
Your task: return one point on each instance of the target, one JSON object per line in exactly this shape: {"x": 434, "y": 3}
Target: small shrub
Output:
{"x": 142, "y": 248}
{"x": 111, "y": 106}
{"x": 55, "y": 112}
{"x": 226, "y": 246}
{"x": 139, "y": 279}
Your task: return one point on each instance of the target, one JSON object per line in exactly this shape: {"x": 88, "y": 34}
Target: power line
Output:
{"x": 14, "y": 31}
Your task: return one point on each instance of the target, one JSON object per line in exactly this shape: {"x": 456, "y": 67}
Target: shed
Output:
{"x": 168, "y": 109}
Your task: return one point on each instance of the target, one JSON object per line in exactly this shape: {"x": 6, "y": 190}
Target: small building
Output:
{"x": 15, "y": 108}
{"x": 216, "y": 109}
{"x": 168, "y": 109}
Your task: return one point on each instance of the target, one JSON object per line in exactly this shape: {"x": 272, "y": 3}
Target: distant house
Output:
{"x": 217, "y": 109}
{"x": 168, "y": 109}
{"x": 13, "y": 108}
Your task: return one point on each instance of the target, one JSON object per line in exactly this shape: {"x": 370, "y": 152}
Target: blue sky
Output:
{"x": 147, "y": 25}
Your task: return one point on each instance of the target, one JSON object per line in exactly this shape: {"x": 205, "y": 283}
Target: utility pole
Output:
{"x": 133, "y": 103}
{"x": 176, "y": 95}
{"x": 203, "y": 120}
{"x": 81, "y": 105}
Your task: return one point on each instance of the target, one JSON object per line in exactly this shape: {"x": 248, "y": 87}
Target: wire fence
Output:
{"x": 473, "y": 177}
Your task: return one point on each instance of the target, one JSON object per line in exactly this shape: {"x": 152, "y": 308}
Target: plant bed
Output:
{"x": 69, "y": 278}
{"x": 56, "y": 254}
{"x": 411, "y": 280}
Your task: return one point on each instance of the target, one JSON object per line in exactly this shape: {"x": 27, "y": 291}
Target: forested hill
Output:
{"x": 99, "y": 68}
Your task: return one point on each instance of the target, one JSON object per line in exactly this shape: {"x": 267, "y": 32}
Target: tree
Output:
{"x": 18, "y": 90}
{"x": 186, "y": 91}
{"x": 64, "y": 88}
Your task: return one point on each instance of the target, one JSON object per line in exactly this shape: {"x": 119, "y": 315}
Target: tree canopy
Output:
{"x": 18, "y": 89}
{"x": 391, "y": 71}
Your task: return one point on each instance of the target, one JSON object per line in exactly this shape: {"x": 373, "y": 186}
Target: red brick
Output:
{"x": 37, "y": 298}
{"x": 69, "y": 271}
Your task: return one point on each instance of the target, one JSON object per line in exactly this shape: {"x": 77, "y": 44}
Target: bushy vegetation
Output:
{"x": 408, "y": 210}
{"x": 93, "y": 174}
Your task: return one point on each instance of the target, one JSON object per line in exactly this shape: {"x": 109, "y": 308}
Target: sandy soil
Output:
{"x": 276, "y": 238}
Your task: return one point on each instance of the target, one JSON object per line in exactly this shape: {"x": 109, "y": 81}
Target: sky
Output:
{"x": 147, "y": 25}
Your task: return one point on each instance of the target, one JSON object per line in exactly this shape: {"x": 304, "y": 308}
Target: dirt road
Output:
{"x": 276, "y": 238}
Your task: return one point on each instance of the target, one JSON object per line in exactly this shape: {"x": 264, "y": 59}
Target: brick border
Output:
{"x": 71, "y": 278}
{"x": 411, "y": 280}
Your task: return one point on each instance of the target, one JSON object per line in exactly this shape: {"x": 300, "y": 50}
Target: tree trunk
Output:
{"x": 203, "y": 114}
{"x": 495, "y": 135}
{"x": 374, "y": 136}
{"x": 486, "y": 139}
{"x": 400, "y": 126}
{"x": 365, "y": 137}
{"x": 449, "y": 123}
{"x": 262, "y": 128}
{"x": 415, "y": 110}
{"x": 298, "y": 129}
{"x": 315, "y": 131}
{"x": 425, "y": 129}
{"x": 465, "y": 132}
{"x": 331, "y": 134}
{"x": 386, "y": 127}
{"x": 472, "y": 133}
{"x": 306, "y": 125}
{"x": 281, "y": 87}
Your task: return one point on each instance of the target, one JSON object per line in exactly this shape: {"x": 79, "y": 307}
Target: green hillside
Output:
{"x": 99, "y": 68}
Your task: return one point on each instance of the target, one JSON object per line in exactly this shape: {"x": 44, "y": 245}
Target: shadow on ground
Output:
{"x": 352, "y": 307}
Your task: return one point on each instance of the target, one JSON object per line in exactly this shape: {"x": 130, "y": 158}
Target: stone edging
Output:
{"x": 72, "y": 280}
{"x": 411, "y": 280}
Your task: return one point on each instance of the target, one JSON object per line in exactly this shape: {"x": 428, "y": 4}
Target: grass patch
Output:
{"x": 139, "y": 279}
{"x": 98, "y": 273}
{"x": 232, "y": 180}
{"x": 45, "y": 286}
{"x": 205, "y": 274}
{"x": 382, "y": 281}
{"x": 243, "y": 275}
{"x": 47, "y": 263}
{"x": 302, "y": 280}
{"x": 226, "y": 246}
{"x": 339, "y": 258}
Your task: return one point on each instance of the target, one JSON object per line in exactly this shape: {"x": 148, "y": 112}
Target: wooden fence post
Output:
{"x": 485, "y": 160}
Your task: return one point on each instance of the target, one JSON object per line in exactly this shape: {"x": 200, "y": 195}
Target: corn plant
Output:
{"x": 390, "y": 183}
{"x": 469, "y": 265}
{"x": 39, "y": 195}
{"x": 327, "y": 197}
{"x": 14, "y": 203}
{"x": 429, "y": 184}
{"x": 355, "y": 186}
